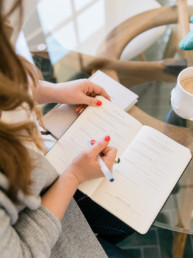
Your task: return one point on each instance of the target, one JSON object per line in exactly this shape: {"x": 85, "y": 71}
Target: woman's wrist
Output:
{"x": 46, "y": 92}
{"x": 70, "y": 176}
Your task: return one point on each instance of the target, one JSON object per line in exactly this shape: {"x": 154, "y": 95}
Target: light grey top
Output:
{"x": 31, "y": 230}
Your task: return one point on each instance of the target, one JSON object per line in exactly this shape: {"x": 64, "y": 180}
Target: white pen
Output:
{"x": 104, "y": 168}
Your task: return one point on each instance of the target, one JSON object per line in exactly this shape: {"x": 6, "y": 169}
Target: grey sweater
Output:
{"x": 31, "y": 230}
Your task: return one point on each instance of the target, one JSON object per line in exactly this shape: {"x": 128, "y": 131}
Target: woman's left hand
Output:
{"x": 79, "y": 92}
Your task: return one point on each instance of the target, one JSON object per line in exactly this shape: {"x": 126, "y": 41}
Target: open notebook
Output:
{"x": 151, "y": 163}
{"x": 62, "y": 116}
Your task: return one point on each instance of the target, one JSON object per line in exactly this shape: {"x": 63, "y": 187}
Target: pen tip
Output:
{"x": 112, "y": 179}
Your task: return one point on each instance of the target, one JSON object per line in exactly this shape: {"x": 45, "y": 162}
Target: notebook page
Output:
{"x": 120, "y": 95}
{"x": 147, "y": 173}
{"x": 94, "y": 123}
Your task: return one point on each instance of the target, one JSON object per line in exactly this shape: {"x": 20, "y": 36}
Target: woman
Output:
{"x": 38, "y": 217}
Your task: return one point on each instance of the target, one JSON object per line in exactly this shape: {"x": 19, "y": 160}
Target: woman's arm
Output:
{"x": 80, "y": 91}
{"x": 58, "y": 197}
{"x": 33, "y": 235}
{"x": 36, "y": 231}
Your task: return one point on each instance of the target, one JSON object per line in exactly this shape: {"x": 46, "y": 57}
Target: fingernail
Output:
{"x": 92, "y": 142}
{"x": 107, "y": 138}
{"x": 99, "y": 103}
{"x": 77, "y": 109}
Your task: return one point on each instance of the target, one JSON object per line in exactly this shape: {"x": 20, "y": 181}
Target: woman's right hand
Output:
{"x": 86, "y": 167}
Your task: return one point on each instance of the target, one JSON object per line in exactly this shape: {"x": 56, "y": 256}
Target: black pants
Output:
{"x": 109, "y": 229}
{"x": 101, "y": 221}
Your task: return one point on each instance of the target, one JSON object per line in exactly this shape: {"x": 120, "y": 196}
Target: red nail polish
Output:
{"x": 99, "y": 103}
{"x": 92, "y": 142}
{"x": 107, "y": 138}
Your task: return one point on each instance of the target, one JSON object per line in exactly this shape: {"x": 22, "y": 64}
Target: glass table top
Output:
{"x": 83, "y": 25}
{"x": 70, "y": 39}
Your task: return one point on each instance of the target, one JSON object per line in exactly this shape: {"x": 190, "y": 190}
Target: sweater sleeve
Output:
{"x": 34, "y": 234}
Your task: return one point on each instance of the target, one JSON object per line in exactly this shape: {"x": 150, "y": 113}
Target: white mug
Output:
{"x": 181, "y": 99}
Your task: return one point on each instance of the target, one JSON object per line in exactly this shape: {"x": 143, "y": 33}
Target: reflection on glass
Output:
{"x": 72, "y": 22}
{"x": 81, "y": 4}
{"x": 56, "y": 51}
{"x": 66, "y": 36}
{"x": 52, "y": 13}
{"x": 91, "y": 20}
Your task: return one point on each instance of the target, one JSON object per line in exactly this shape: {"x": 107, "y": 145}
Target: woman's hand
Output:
{"x": 86, "y": 167}
{"x": 80, "y": 92}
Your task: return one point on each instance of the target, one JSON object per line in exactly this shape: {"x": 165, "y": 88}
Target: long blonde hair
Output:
{"x": 15, "y": 161}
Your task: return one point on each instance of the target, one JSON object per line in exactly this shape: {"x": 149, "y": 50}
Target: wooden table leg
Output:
{"x": 178, "y": 245}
